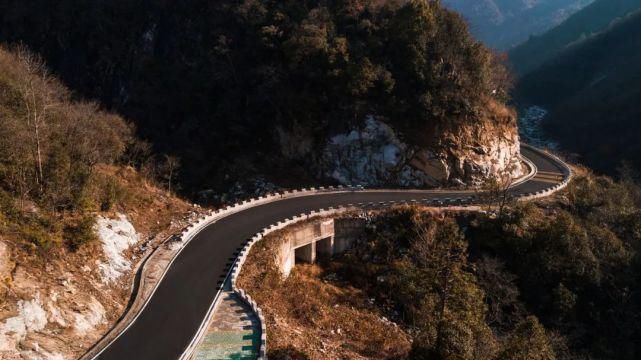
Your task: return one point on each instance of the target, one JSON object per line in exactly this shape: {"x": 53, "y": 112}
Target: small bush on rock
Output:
{"x": 80, "y": 232}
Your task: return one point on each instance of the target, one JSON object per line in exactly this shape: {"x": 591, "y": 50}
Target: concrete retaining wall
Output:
{"x": 316, "y": 238}
{"x": 242, "y": 257}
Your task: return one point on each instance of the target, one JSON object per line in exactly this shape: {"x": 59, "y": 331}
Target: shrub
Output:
{"x": 529, "y": 341}
{"x": 112, "y": 193}
{"x": 288, "y": 353}
{"x": 7, "y": 206}
{"x": 38, "y": 235}
{"x": 80, "y": 232}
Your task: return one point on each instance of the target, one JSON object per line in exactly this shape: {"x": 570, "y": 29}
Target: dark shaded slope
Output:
{"x": 593, "y": 93}
{"x": 590, "y": 20}
{"x": 244, "y": 88}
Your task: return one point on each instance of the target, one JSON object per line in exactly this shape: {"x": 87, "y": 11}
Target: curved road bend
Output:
{"x": 166, "y": 326}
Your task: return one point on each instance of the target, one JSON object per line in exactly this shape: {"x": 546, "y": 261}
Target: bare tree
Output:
{"x": 38, "y": 97}
{"x": 495, "y": 192}
{"x": 170, "y": 167}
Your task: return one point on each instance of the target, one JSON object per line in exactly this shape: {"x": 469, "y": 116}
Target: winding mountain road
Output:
{"x": 167, "y": 324}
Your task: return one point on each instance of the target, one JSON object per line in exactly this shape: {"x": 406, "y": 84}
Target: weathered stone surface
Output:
{"x": 435, "y": 168}
{"x": 459, "y": 153}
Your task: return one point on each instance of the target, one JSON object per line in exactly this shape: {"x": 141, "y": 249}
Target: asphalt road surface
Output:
{"x": 166, "y": 326}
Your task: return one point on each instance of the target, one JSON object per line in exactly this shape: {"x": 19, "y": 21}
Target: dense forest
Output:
{"x": 593, "y": 93}
{"x": 556, "y": 281}
{"x": 228, "y": 86}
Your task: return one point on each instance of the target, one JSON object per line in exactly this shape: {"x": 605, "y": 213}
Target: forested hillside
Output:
{"x": 74, "y": 208}
{"x": 504, "y": 23}
{"x": 593, "y": 92}
{"x": 580, "y": 27}
{"x": 49, "y": 150}
{"x": 557, "y": 280}
{"x": 235, "y": 88}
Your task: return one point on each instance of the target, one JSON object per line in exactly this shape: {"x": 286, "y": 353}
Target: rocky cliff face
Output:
{"x": 372, "y": 156}
{"x": 459, "y": 155}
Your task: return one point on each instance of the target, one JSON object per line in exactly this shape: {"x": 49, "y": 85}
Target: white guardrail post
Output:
{"x": 566, "y": 172}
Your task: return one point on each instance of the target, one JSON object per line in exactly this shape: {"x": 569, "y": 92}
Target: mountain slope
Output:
{"x": 239, "y": 89}
{"x": 593, "y": 92}
{"x": 505, "y": 23}
{"x": 585, "y": 23}
{"x": 73, "y": 218}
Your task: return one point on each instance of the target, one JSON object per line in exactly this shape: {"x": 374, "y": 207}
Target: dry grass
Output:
{"x": 310, "y": 317}
{"x": 73, "y": 277}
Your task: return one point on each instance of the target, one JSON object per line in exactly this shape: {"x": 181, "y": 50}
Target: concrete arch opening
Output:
{"x": 305, "y": 254}
{"x": 317, "y": 239}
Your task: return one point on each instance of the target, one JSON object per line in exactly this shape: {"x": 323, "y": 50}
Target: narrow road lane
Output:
{"x": 166, "y": 326}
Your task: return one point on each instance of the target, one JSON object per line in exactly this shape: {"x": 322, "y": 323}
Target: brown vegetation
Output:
{"x": 311, "y": 315}
{"x": 57, "y": 158}
{"x": 63, "y": 163}
{"x": 556, "y": 279}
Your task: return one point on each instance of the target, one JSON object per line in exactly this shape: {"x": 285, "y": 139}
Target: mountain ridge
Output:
{"x": 272, "y": 82}
{"x": 592, "y": 93}
{"x": 505, "y": 23}
{"x": 584, "y": 24}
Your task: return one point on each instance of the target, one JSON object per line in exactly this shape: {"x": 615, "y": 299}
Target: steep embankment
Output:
{"x": 580, "y": 27}
{"x": 74, "y": 220}
{"x": 592, "y": 93}
{"x": 240, "y": 89}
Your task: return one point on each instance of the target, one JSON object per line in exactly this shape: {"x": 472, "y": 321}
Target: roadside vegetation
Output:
{"x": 65, "y": 166}
{"x": 556, "y": 279}
{"x": 49, "y": 149}
{"x": 311, "y": 314}
{"x": 62, "y": 160}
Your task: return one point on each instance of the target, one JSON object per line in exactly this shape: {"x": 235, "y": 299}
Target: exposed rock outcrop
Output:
{"x": 116, "y": 236}
{"x": 371, "y": 156}
{"x": 55, "y": 303}
{"x": 457, "y": 155}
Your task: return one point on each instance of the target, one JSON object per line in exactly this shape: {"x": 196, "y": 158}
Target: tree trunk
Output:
{"x": 39, "y": 154}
